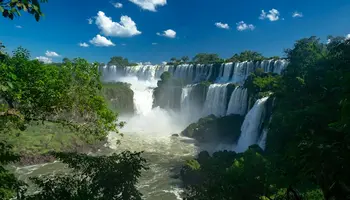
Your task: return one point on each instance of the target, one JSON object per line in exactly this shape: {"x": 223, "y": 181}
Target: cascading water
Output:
{"x": 227, "y": 69}
{"x": 251, "y": 126}
{"x": 262, "y": 140}
{"x": 215, "y": 102}
{"x": 238, "y": 102}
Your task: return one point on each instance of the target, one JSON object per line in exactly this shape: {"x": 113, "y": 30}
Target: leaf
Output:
{"x": 1, "y": 9}
{"x": 37, "y": 17}
{"x": 10, "y": 84}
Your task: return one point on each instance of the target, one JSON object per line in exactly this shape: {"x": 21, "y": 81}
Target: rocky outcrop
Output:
{"x": 212, "y": 128}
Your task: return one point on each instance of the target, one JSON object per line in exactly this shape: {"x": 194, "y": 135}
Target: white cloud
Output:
{"x": 147, "y": 63}
{"x": 123, "y": 44}
{"x": 84, "y": 44}
{"x": 164, "y": 63}
{"x": 297, "y": 14}
{"x": 222, "y": 25}
{"x": 18, "y": 26}
{"x": 347, "y": 37}
{"x": 154, "y": 43}
{"x": 242, "y": 26}
{"x": 273, "y": 15}
{"x": 44, "y": 59}
{"x": 150, "y": 5}
{"x": 329, "y": 41}
{"x": 101, "y": 41}
{"x": 51, "y": 54}
{"x": 117, "y": 5}
{"x": 168, "y": 33}
{"x": 90, "y": 20}
{"x": 125, "y": 28}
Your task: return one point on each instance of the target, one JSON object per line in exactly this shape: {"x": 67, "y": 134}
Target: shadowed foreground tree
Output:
{"x": 93, "y": 178}
{"x": 13, "y": 8}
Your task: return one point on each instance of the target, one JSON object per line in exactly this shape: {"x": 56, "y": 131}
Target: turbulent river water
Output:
{"x": 149, "y": 130}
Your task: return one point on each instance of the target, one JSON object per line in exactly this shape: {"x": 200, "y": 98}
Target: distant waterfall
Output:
{"x": 216, "y": 100}
{"x": 238, "y": 102}
{"x": 189, "y": 109}
{"x": 251, "y": 125}
{"x": 227, "y": 69}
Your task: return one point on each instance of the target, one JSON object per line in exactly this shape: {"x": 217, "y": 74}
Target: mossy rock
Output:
{"x": 213, "y": 128}
{"x": 119, "y": 97}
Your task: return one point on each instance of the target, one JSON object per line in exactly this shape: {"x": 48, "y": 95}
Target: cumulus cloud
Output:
{"x": 273, "y": 15}
{"x": 44, "y": 59}
{"x": 150, "y": 5}
{"x": 297, "y": 14}
{"x": 164, "y": 63}
{"x": 154, "y": 43}
{"x": 90, "y": 21}
{"x": 117, "y": 5}
{"x": 84, "y": 44}
{"x": 18, "y": 26}
{"x": 329, "y": 41}
{"x": 222, "y": 25}
{"x": 125, "y": 28}
{"x": 168, "y": 33}
{"x": 347, "y": 37}
{"x": 242, "y": 26}
{"x": 51, "y": 54}
{"x": 101, "y": 41}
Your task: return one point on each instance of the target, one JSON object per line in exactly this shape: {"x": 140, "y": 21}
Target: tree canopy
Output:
{"x": 12, "y": 8}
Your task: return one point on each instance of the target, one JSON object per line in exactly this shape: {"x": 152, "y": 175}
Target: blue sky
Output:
{"x": 200, "y": 26}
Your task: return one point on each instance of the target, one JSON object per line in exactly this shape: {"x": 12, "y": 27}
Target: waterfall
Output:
{"x": 251, "y": 125}
{"x": 216, "y": 100}
{"x": 238, "y": 102}
{"x": 262, "y": 140}
{"x": 225, "y": 77}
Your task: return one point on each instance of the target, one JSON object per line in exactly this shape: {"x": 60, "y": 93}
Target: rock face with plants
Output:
{"x": 213, "y": 128}
{"x": 119, "y": 97}
{"x": 167, "y": 94}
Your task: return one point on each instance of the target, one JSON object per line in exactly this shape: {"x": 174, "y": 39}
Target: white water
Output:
{"x": 216, "y": 100}
{"x": 227, "y": 69}
{"x": 238, "y": 102}
{"x": 251, "y": 126}
{"x": 262, "y": 140}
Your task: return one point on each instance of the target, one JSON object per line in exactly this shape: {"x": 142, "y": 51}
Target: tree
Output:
{"x": 12, "y": 8}
{"x": 204, "y": 58}
{"x": 247, "y": 56}
{"x": 185, "y": 59}
{"x": 119, "y": 61}
{"x": 93, "y": 178}
{"x": 32, "y": 91}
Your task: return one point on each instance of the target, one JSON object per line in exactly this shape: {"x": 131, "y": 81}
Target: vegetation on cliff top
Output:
{"x": 306, "y": 151}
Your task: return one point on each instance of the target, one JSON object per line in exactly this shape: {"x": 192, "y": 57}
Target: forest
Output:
{"x": 308, "y": 141}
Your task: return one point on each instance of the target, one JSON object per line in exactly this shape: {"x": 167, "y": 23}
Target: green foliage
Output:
{"x": 227, "y": 175}
{"x": 211, "y": 128}
{"x": 185, "y": 59}
{"x": 69, "y": 95}
{"x": 204, "y": 58}
{"x": 308, "y": 134}
{"x": 119, "y": 97}
{"x": 93, "y": 178}
{"x": 308, "y": 140}
{"x": 119, "y": 61}
{"x": 247, "y": 56}
{"x": 260, "y": 84}
{"x": 12, "y": 8}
